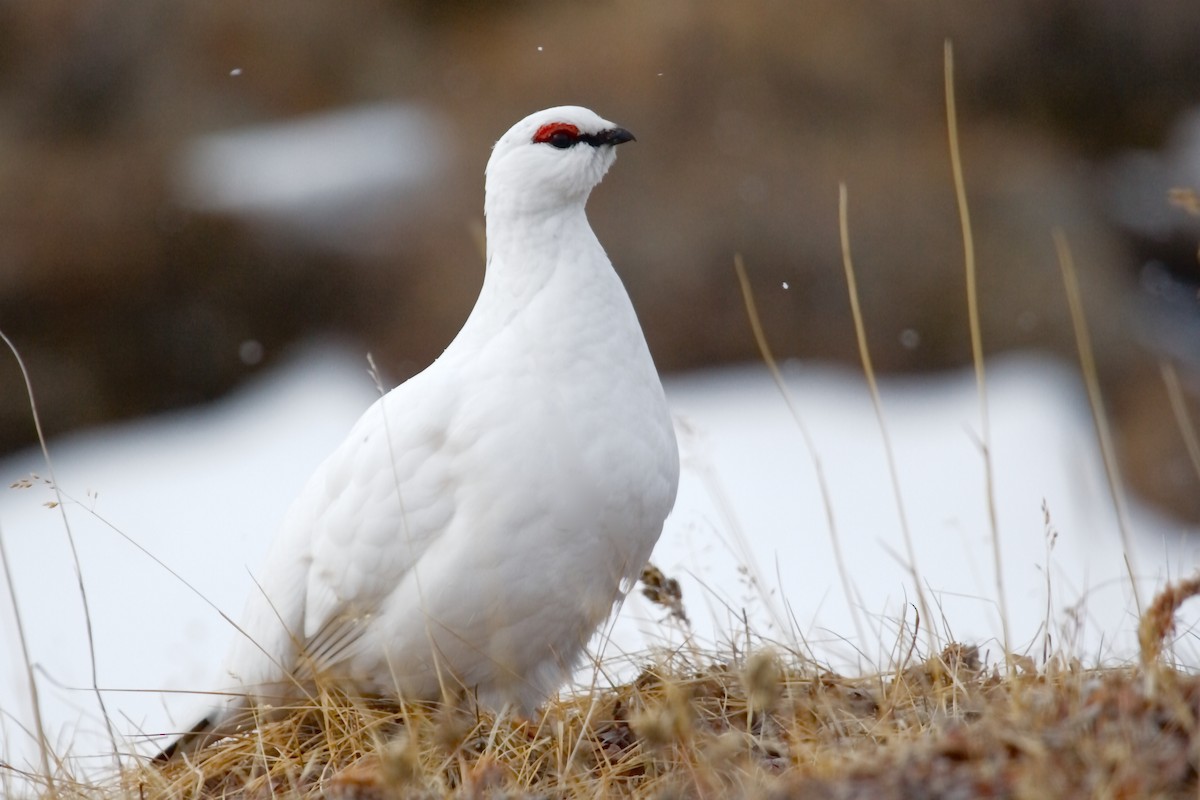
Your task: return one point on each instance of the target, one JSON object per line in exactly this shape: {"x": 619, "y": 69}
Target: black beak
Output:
{"x": 612, "y": 136}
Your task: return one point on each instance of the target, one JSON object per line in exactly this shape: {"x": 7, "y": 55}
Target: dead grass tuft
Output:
{"x": 1159, "y": 620}
{"x": 768, "y": 725}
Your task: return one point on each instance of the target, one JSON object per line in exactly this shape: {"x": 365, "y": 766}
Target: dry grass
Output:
{"x": 768, "y": 724}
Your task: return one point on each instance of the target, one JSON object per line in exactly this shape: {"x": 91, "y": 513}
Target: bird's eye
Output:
{"x": 557, "y": 134}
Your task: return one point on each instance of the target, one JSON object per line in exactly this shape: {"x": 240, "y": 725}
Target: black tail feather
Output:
{"x": 190, "y": 742}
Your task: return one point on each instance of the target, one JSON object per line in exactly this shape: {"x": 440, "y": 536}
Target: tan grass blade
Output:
{"x": 964, "y": 215}
{"x": 1091, "y": 380}
{"x": 869, "y": 370}
{"x": 765, "y": 350}
{"x": 87, "y": 613}
{"x": 34, "y": 699}
{"x": 1179, "y": 409}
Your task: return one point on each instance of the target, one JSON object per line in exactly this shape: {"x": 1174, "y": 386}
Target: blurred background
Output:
{"x": 187, "y": 191}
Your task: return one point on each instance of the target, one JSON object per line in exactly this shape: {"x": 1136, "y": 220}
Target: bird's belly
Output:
{"x": 541, "y": 543}
{"x": 506, "y": 622}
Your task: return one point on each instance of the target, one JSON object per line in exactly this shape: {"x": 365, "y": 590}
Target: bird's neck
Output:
{"x": 529, "y": 254}
{"x": 525, "y": 249}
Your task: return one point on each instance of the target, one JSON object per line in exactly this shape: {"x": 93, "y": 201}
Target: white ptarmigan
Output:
{"x": 480, "y": 520}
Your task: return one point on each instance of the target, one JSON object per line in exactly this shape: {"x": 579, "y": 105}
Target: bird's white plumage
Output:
{"x": 480, "y": 520}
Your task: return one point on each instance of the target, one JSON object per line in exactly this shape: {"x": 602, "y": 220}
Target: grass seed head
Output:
{"x": 400, "y": 762}
{"x": 668, "y": 721}
{"x": 761, "y": 679}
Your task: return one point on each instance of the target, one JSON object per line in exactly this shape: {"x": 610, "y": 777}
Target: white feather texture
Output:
{"x": 480, "y": 520}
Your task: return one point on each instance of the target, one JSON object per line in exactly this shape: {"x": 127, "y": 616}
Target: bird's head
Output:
{"x": 552, "y": 158}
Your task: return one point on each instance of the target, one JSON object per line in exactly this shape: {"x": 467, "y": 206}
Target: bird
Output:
{"x": 482, "y": 519}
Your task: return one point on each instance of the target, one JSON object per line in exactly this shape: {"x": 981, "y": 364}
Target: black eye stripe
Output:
{"x": 563, "y": 135}
{"x": 563, "y": 140}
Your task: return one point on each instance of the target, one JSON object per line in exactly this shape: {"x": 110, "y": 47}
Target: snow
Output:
{"x": 327, "y": 177}
{"x": 203, "y": 490}
{"x": 753, "y": 500}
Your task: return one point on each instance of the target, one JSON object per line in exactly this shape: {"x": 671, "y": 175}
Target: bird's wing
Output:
{"x": 374, "y": 507}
